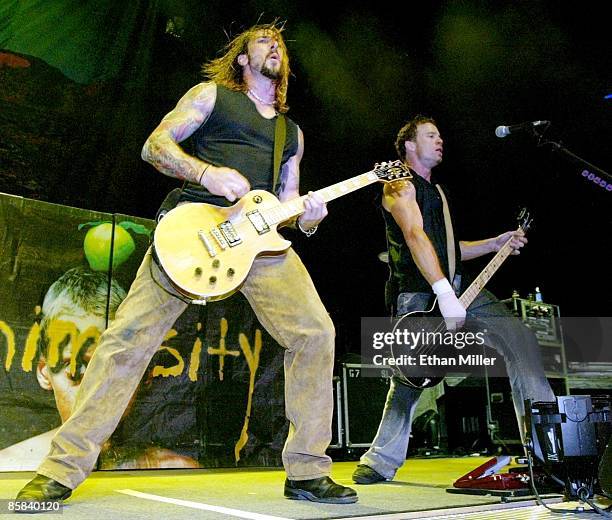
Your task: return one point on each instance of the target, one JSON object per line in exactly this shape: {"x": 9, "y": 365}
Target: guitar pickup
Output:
{"x": 229, "y": 233}
{"x": 259, "y": 223}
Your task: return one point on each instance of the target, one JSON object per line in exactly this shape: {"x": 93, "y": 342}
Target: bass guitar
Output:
{"x": 425, "y": 320}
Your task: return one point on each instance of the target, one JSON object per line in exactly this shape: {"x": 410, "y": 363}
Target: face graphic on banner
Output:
{"x": 73, "y": 317}
{"x": 64, "y": 377}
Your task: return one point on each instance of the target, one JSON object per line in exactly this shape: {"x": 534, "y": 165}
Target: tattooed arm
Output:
{"x": 314, "y": 206}
{"x": 161, "y": 149}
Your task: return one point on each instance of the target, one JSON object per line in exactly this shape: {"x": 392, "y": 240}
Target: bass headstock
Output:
{"x": 392, "y": 171}
{"x": 524, "y": 219}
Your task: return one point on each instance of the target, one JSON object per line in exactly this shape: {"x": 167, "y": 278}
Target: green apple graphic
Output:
{"x": 97, "y": 243}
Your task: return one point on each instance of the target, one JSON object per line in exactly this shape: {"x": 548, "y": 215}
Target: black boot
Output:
{"x": 41, "y": 489}
{"x": 366, "y": 475}
{"x": 322, "y": 489}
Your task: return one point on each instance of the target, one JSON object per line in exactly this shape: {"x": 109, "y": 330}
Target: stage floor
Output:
{"x": 419, "y": 491}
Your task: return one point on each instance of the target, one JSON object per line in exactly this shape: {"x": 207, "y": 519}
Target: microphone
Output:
{"x": 503, "y": 131}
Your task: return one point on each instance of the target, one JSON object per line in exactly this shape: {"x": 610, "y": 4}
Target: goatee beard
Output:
{"x": 270, "y": 73}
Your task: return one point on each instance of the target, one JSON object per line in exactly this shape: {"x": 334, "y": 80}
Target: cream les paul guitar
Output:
{"x": 207, "y": 251}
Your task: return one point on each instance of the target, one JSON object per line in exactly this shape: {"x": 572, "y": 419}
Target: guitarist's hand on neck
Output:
{"x": 518, "y": 240}
{"x": 315, "y": 210}
{"x": 451, "y": 308}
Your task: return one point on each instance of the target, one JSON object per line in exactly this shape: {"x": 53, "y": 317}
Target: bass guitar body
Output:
{"x": 424, "y": 322}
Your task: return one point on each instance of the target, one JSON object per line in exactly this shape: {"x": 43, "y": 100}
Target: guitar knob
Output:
{"x": 212, "y": 280}
{"x": 216, "y": 263}
{"x": 198, "y": 271}
{"x": 231, "y": 272}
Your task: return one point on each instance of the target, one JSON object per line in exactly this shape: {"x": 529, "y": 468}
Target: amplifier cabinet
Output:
{"x": 543, "y": 319}
{"x": 364, "y": 392}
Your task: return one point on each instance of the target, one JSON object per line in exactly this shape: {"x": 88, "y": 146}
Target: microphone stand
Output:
{"x": 591, "y": 172}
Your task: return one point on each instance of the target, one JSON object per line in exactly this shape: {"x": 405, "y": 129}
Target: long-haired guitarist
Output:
{"x": 232, "y": 119}
{"x": 420, "y": 268}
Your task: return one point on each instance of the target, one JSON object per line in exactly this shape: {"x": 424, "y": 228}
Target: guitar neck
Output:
{"x": 294, "y": 207}
{"x": 478, "y": 284}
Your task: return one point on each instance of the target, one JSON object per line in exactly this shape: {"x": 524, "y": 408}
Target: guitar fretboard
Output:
{"x": 294, "y": 207}
{"x": 477, "y": 285}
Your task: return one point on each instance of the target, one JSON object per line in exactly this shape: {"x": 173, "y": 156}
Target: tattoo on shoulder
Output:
{"x": 202, "y": 94}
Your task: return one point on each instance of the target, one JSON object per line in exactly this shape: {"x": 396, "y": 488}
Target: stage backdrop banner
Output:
{"x": 212, "y": 395}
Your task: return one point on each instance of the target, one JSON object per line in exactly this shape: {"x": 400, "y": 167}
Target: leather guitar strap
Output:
{"x": 450, "y": 238}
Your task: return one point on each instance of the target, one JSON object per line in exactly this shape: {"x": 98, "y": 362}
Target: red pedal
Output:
{"x": 485, "y": 476}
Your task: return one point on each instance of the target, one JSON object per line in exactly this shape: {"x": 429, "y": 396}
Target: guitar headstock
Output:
{"x": 392, "y": 171}
{"x": 524, "y": 219}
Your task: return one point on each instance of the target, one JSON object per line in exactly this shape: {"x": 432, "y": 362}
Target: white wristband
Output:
{"x": 441, "y": 287}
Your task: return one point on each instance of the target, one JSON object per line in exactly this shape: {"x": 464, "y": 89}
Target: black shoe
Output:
{"x": 322, "y": 489}
{"x": 366, "y": 475}
{"x": 41, "y": 489}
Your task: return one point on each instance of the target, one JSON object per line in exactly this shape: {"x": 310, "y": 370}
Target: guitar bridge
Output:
{"x": 207, "y": 244}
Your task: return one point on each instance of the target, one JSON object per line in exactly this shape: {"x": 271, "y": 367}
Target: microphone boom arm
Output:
{"x": 603, "y": 178}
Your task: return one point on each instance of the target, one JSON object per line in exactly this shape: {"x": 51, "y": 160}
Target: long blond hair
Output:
{"x": 226, "y": 70}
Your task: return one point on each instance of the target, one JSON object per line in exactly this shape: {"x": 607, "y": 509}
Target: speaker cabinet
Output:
{"x": 364, "y": 392}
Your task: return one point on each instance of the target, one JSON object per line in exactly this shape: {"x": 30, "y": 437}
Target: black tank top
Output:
{"x": 404, "y": 273}
{"x": 236, "y": 135}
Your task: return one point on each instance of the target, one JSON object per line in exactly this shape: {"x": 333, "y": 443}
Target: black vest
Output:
{"x": 237, "y": 136}
{"x": 404, "y": 273}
